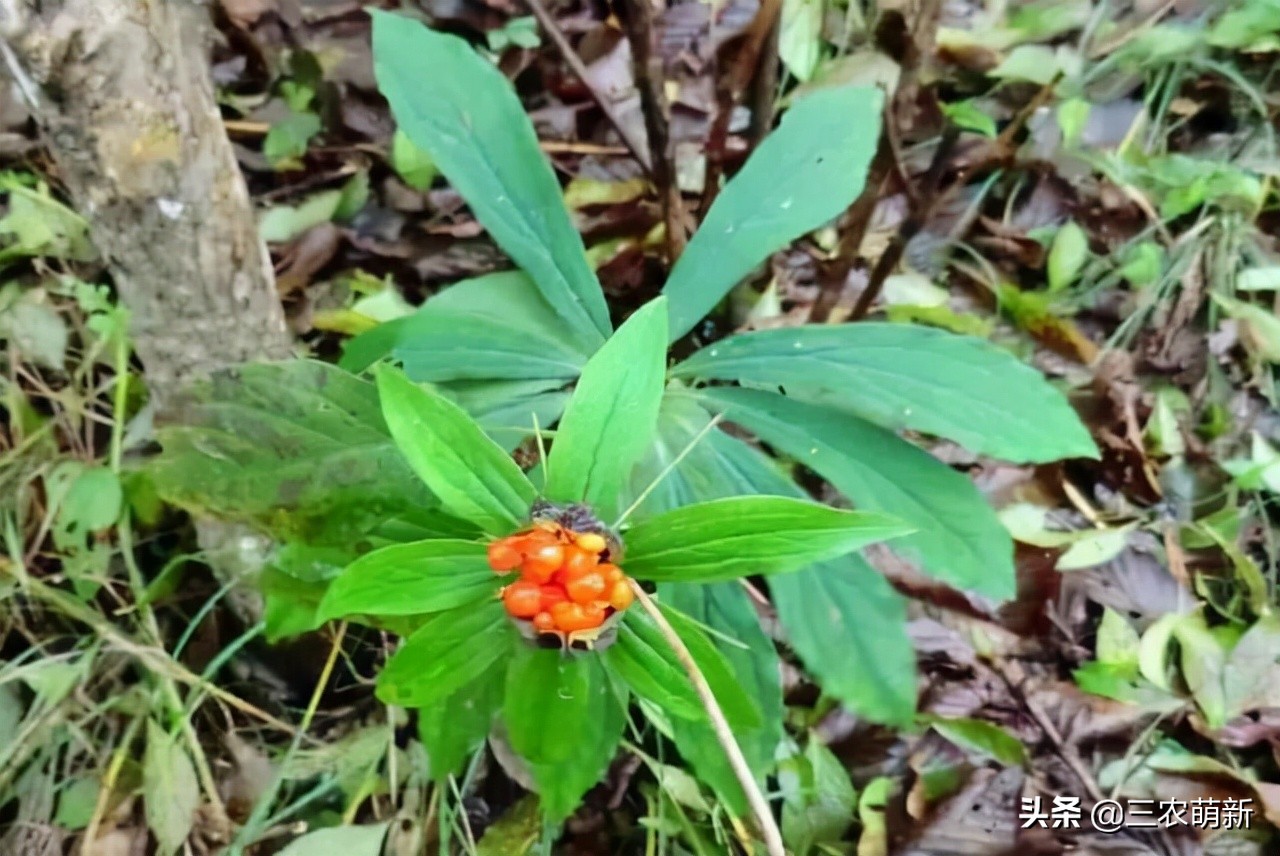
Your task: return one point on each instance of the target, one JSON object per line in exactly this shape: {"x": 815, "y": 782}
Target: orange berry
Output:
{"x": 586, "y": 588}
{"x": 592, "y": 542}
{"x": 568, "y": 616}
{"x": 577, "y": 562}
{"x": 593, "y": 615}
{"x": 612, "y": 573}
{"x": 503, "y": 556}
{"x": 551, "y": 595}
{"x": 533, "y": 539}
{"x": 621, "y": 595}
{"x": 544, "y": 623}
{"x": 543, "y": 561}
{"x": 522, "y": 599}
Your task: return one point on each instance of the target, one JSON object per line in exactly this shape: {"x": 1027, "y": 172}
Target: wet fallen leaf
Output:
{"x": 304, "y": 258}
{"x": 978, "y": 821}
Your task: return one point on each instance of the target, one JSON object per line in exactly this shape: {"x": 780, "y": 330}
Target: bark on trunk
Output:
{"x": 127, "y": 108}
{"x": 122, "y": 92}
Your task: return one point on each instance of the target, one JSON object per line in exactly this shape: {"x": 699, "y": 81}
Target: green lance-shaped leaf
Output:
{"x": 975, "y": 735}
{"x": 564, "y": 716}
{"x": 646, "y": 663}
{"x": 907, "y": 377}
{"x": 496, "y": 326}
{"x": 1068, "y": 254}
{"x": 473, "y": 477}
{"x": 365, "y": 840}
{"x": 696, "y": 741}
{"x": 843, "y": 619}
{"x": 509, "y": 410}
{"x": 412, "y": 579}
{"x": 457, "y": 106}
{"x": 609, "y": 422}
{"x": 738, "y": 536}
{"x": 803, "y": 174}
{"x": 850, "y": 627}
{"x": 749, "y": 654}
{"x": 740, "y": 709}
{"x": 958, "y": 538}
{"x": 709, "y": 468}
{"x": 454, "y": 728}
{"x": 643, "y": 657}
{"x": 445, "y": 654}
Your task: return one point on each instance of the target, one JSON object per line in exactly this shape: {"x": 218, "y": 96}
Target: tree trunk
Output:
{"x": 122, "y": 93}
{"x": 123, "y": 96}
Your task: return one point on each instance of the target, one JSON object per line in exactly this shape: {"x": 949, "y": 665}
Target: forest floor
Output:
{"x": 1093, "y": 185}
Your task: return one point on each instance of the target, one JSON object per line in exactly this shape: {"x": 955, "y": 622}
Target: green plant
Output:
{"x": 466, "y": 660}
{"x": 305, "y": 451}
{"x": 830, "y": 398}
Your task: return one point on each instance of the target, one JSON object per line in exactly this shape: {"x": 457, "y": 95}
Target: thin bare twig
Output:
{"x": 30, "y": 91}
{"x": 1004, "y": 143}
{"x": 857, "y": 218}
{"x": 724, "y": 734}
{"x": 637, "y": 23}
{"x": 932, "y": 197}
{"x": 764, "y": 87}
{"x": 553, "y": 147}
{"x": 579, "y": 68}
{"x": 910, "y": 226}
{"x": 833, "y": 273}
{"x": 1015, "y": 678}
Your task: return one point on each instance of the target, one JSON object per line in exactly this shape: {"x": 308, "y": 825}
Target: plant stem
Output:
{"x": 118, "y": 757}
{"x": 168, "y": 686}
{"x": 153, "y": 658}
{"x": 910, "y": 226}
{"x": 666, "y": 471}
{"x": 250, "y": 830}
{"x": 720, "y": 725}
{"x": 120, "y": 399}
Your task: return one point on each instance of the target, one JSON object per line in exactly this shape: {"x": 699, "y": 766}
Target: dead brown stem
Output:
{"x": 833, "y": 273}
{"x": 637, "y": 22}
{"x": 579, "y": 68}
{"x": 764, "y": 87}
{"x": 910, "y": 226}
{"x": 729, "y": 89}
{"x": 1015, "y": 678}
{"x": 932, "y": 197}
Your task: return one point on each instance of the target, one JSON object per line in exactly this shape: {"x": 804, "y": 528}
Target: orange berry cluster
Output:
{"x": 565, "y": 584}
